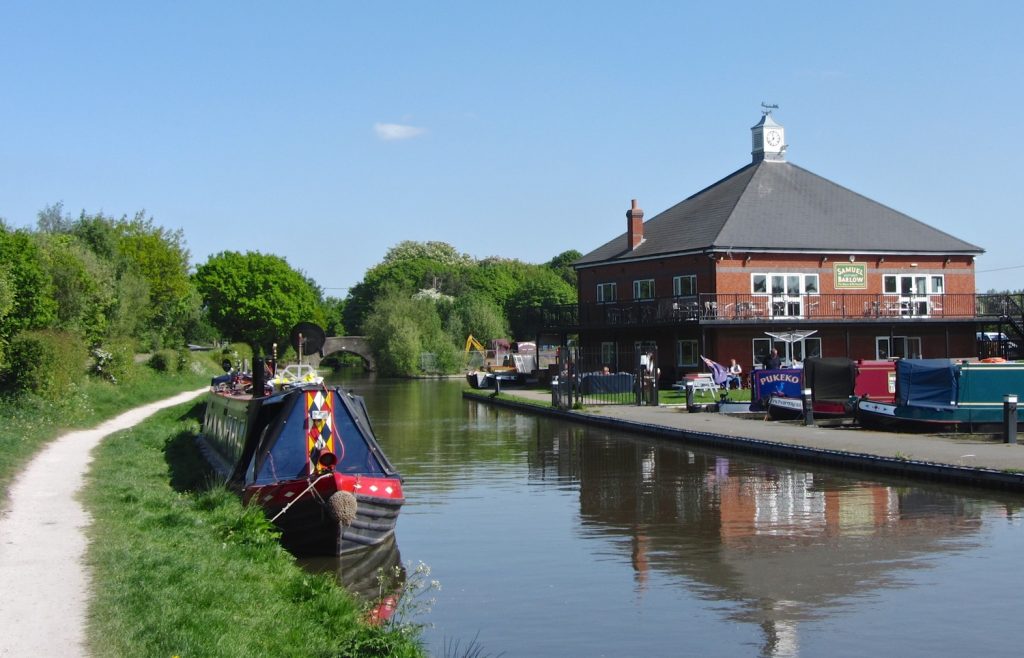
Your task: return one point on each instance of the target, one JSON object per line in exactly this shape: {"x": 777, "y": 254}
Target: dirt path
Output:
{"x": 44, "y": 587}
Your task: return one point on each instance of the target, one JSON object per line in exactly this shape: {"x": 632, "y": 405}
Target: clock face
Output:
{"x": 773, "y": 138}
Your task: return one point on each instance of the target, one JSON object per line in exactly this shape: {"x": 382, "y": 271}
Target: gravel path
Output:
{"x": 44, "y": 587}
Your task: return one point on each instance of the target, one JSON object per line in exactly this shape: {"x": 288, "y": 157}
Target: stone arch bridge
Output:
{"x": 357, "y": 345}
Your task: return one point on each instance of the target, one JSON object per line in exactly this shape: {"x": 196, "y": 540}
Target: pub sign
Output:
{"x": 851, "y": 276}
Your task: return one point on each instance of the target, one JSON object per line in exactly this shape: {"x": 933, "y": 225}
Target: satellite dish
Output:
{"x": 311, "y": 335}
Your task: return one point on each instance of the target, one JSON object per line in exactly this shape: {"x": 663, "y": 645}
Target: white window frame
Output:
{"x": 910, "y": 346}
{"x": 610, "y": 355}
{"x": 638, "y": 286}
{"x": 692, "y": 345}
{"x": 786, "y": 301}
{"x": 603, "y": 290}
{"x": 787, "y": 352}
{"x": 916, "y": 300}
{"x": 677, "y": 285}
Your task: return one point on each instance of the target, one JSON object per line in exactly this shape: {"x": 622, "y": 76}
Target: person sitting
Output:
{"x": 735, "y": 370}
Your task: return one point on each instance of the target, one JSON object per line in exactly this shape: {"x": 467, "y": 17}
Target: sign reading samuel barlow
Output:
{"x": 851, "y": 276}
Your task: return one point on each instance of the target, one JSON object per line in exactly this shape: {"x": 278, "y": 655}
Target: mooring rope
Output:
{"x": 304, "y": 492}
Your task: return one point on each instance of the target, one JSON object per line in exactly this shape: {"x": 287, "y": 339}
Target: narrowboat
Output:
{"x": 305, "y": 451}
{"x": 836, "y": 383}
{"x": 942, "y": 395}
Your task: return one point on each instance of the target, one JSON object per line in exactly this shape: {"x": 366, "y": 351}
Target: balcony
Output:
{"x": 733, "y": 308}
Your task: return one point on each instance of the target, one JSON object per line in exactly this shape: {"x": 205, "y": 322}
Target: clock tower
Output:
{"x": 769, "y": 137}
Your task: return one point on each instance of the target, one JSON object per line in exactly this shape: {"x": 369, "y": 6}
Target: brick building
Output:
{"x": 770, "y": 253}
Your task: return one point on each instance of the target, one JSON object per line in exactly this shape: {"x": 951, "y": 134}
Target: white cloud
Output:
{"x": 393, "y": 131}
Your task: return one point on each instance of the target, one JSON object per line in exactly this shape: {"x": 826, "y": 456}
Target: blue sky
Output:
{"x": 327, "y": 132}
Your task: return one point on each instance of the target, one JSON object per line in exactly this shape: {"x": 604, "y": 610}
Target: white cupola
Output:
{"x": 769, "y": 137}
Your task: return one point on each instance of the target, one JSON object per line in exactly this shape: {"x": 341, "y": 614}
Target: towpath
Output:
{"x": 964, "y": 458}
{"x": 42, "y": 543}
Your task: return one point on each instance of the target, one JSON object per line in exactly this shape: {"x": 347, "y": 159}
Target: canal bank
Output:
{"x": 961, "y": 459}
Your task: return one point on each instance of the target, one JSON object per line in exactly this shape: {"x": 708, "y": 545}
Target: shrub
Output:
{"x": 44, "y": 362}
{"x": 164, "y": 361}
{"x": 113, "y": 360}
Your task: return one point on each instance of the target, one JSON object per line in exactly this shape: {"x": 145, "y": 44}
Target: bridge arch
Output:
{"x": 357, "y": 345}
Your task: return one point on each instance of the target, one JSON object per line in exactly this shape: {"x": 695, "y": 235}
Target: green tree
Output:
{"x": 401, "y": 327}
{"x": 160, "y": 257}
{"x": 406, "y": 274}
{"x": 476, "y": 314}
{"x": 256, "y": 298}
{"x": 439, "y": 252}
{"x": 333, "y": 310}
{"x": 562, "y": 265}
{"x": 83, "y": 286}
{"x": 33, "y": 305}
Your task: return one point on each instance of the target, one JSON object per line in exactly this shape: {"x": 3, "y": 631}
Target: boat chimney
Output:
{"x": 259, "y": 378}
{"x": 634, "y": 226}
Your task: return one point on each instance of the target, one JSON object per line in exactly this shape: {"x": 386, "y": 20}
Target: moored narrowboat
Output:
{"x": 836, "y": 383}
{"x": 307, "y": 454}
{"x": 940, "y": 395}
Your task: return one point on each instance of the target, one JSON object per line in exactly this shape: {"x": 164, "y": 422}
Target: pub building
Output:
{"x": 774, "y": 255}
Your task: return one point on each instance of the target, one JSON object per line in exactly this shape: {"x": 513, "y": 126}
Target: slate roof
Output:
{"x": 780, "y": 207}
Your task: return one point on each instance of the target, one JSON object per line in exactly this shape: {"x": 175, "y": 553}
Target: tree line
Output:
{"x": 101, "y": 288}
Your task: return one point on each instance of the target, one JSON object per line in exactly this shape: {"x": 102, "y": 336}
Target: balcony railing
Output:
{"x": 730, "y": 308}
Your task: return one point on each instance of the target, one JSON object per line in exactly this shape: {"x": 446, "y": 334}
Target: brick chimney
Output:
{"x": 634, "y": 226}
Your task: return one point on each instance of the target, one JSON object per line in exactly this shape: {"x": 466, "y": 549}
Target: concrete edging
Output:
{"x": 963, "y": 475}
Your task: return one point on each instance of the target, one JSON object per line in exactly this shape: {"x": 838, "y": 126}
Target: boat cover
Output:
{"x": 831, "y": 378}
{"x": 931, "y": 383}
{"x": 617, "y": 382}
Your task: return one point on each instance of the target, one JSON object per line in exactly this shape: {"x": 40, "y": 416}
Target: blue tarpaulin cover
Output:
{"x": 929, "y": 383}
{"x": 619, "y": 382}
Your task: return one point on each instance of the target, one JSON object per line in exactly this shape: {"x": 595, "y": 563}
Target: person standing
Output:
{"x": 773, "y": 362}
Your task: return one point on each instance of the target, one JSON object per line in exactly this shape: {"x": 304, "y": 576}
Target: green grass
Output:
{"x": 180, "y": 568}
{"x": 28, "y": 424}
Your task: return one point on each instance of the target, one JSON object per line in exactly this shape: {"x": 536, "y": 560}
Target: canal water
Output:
{"x": 555, "y": 539}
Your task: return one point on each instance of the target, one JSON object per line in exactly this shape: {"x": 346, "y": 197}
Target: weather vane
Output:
{"x": 767, "y": 109}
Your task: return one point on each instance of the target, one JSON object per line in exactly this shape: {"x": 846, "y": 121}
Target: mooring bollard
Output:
{"x": 689, "y": 395}
{"x": 808, "y": 407}
{"x": 1009, "y": 418}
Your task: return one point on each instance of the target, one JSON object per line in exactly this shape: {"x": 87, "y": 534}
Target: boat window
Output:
{"x": 286, "y": 459}
{"x": 353, "y": 450}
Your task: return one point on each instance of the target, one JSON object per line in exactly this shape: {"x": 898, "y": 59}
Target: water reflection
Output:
{"x": 358, "y": 571}
{"x": 778, "y": 544}
{"x": 557, "y": 539}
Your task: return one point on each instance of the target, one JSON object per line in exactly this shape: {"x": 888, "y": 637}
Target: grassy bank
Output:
{"x": 27, "y": 424}
{"x": 182, "y": 569}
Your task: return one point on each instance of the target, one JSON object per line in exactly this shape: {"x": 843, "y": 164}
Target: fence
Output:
{"x": 590, "y": 377}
